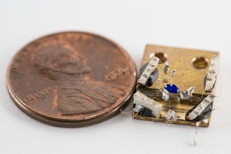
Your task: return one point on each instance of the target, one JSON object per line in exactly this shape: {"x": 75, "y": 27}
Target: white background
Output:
{"x": 201, "y": 24}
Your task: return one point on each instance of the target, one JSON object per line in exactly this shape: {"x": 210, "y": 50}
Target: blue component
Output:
{"x": 171, "y": 88}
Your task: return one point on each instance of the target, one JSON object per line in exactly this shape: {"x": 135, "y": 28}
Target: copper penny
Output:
{"x": 71, "y": 79}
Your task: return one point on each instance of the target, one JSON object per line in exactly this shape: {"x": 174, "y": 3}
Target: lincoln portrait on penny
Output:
{"x": 76, "y": 90}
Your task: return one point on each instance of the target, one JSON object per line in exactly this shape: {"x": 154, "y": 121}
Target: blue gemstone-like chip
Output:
{"x": 172, "y": 88}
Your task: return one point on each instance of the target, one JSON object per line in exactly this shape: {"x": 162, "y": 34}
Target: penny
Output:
{"x": 71, "y": 79}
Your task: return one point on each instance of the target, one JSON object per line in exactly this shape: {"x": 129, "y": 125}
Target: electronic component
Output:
{"x": 186, "y": 94}
{"x": 166, "y": 67}
{"x": 141, "y": 99}
{"x": 201, "y": 108}
{"x": 149, "y": 69}
{"x": 138, "y": 108}
{"x": 173, "y": 73}
{"x": 165, "y": 95}
{"x": 153, "y": 76}
{"x": 211, "y": 75}
{"x": 171, "y": 88}
{"x": 171, "y": 115}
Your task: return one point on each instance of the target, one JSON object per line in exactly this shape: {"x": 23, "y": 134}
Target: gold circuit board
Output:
{"x": 191, "y": 68}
